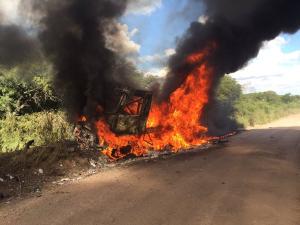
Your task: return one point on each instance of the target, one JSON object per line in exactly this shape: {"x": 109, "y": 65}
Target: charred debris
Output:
{"x": 130, "y": 112}
{"x": 126, "y": 114}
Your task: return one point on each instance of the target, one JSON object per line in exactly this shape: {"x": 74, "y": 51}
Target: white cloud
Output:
{"x": 273, "y": 69}
{"x": 133, "y": 32}
{"x": 118, "y": 39}
{"x": 158, "y": 72}
{"x": 9, "y": 11}
{"x": 157, "y": 62}
{"x": 143, "y": 7}
{"x": 170, "y": 51}
{"x": 158, "y": 58}
{"x": 203, "y": 19}
{"x": 18, "y": 12}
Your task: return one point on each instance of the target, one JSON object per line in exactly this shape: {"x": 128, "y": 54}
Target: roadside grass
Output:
{"x": 43, "y": 127}
{"x": 260, "y": 112}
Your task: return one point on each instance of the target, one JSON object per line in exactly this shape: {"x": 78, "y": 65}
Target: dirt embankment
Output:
{"x": 28, "y": 171}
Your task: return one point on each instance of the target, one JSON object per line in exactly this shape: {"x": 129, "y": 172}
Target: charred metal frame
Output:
{"x": 131, "y": 113}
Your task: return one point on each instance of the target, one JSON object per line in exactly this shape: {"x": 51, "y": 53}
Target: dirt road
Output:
{"x": 252, "y": 180}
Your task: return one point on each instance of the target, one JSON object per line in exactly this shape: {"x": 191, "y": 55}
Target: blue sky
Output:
{"x": 158, "y": 30}
{"x": 294, "y": 42}
{"x": 277, "y": 67}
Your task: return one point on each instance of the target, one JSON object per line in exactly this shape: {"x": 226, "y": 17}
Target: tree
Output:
{"x": 229, "y": 90}
{"x": 26, "y": 96}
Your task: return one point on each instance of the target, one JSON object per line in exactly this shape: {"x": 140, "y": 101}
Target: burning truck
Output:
{"x": 128, "y": 119}
{"x": 127, "y": 115}
{"x": 138, "y": 123}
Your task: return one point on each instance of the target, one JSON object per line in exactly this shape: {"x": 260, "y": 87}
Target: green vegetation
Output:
{"x": 22, "y": 96}
{"x": 256, "y": 108}
{"x": 261, "y": 108}
{"x": 29, "y": 109}
{"x": 44, "y": 128}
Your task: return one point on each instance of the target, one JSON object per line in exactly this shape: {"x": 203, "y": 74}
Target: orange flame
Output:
{"x": 176, "y": 124}
{"x": 83, "y": 119}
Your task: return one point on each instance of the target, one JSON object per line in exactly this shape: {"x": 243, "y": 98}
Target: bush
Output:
{"x": 255, "y": 108}
{"x": 261, "y": 108}
{"x": 43, "y": 128}
{"x": 23, "y": 96}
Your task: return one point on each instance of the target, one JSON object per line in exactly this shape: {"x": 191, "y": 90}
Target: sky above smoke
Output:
{"x": 276, "y": 67}
{"x": 17, "y": 45}
{"x": 149, "y": 29}
{"x": 9, "y": 10}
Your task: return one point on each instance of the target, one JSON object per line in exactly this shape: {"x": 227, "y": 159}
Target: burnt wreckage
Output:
{"x": 131, "y": 112}
{"x": 127, "y": 115}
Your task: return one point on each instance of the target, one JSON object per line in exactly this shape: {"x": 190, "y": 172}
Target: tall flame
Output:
{"x": 176, "y": 124}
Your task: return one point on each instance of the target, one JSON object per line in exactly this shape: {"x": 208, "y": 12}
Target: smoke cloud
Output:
{"x": 16, "y": 45}
{"x": 239, "y": 29}
{"x": 74, "y": 37}
{"x": 118, "y": 39}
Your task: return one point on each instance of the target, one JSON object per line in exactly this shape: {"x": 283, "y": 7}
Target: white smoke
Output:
{"x": 118, "y": 39}
{"x": 203, "y": 19}
{"x": 144, "y": 7}
{"x": 9, "y": 11}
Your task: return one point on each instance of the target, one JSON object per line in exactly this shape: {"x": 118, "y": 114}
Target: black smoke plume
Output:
{"x": 239, "y": 29}
{"x": 73, "y": 38}
{"x": 16, "y": 46}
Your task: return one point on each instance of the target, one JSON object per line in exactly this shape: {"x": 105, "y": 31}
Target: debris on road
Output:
{"x": 93, "y": 163}
{"x": 10, "y": 176}
{"x": 65, "y": 179}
